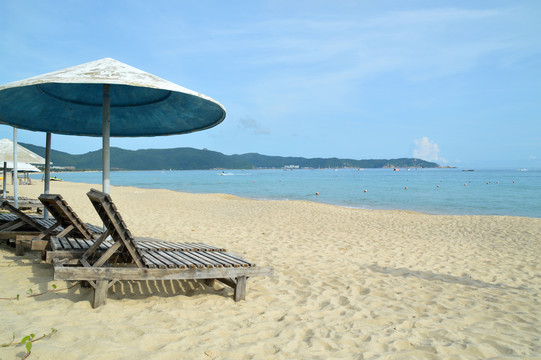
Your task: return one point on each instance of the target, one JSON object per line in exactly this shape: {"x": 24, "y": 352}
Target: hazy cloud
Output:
{"x": 426, "y": 149}
{"x": 252, "y": 125}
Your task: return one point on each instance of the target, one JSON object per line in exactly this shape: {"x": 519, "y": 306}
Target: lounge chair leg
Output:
{"x": 100, "y": 293}
{"x": 19, "y": 248}
{"x": 240, "y": 288}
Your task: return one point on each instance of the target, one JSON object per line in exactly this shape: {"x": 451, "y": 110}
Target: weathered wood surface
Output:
{"x": 62, "y": 272}
{"x": 109, "y": 215}
{"x": 70, "y": 243}
{"x": 184, "y": 255}
{"x": 6, "y": 217}
{"x": 155, "y": 244}
{"x": 100, "y": 293}
{"x": 67, "y": 218}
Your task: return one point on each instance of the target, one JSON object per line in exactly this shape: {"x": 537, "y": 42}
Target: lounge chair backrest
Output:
{"x": 63, "y": 213}
{"x": 112, "y": 220}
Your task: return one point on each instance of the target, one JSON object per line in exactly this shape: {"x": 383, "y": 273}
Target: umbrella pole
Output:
{"x": 47, "y": 170}
{"x": 15, "y": 176}
{"x": 106, "y": 129}
{"x": 4, "y": 190}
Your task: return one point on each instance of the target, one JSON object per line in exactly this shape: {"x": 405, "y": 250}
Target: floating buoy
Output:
{"x": 437, "y": 186}
{"x": 406, "y": 188}
{"x": 365, "y": 190}
{"x": 317, "y": 193}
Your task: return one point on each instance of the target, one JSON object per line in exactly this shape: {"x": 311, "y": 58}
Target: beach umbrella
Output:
{"x": 106, "y": 98}
{"x": 23, "y": 167}
{"x": 12, "y": 153}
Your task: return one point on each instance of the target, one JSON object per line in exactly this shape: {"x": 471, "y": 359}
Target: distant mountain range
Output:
{"x": 194, "y": 159}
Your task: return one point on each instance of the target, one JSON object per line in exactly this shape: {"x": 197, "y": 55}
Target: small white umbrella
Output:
{"x": 15, "y": 154}
{"x": 23, "y": 167}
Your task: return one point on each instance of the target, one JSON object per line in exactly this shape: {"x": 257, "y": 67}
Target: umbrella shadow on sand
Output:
{"x": 465, "y": 279}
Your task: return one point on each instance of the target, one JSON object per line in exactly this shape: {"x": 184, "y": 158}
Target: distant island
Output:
{"x": 195, "y": 159}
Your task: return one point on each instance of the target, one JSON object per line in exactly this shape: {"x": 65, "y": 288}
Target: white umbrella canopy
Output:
{"x": 23, "y": 167}
{"x": 106, "y": 98}
{"x": 23, "y": 154}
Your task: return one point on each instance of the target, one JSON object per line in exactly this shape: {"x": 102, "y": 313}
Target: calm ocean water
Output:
{"x": 434, "y": 191}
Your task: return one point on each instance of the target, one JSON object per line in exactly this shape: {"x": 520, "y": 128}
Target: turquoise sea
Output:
{"x": 433, "y": 191}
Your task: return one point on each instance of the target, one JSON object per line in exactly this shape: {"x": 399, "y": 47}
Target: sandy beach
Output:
{"x": 348, "y": 284}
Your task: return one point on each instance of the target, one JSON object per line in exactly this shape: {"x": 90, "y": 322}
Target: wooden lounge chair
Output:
{"x": 129, "y": 259}
{"x": 25, "y": 203}
{"x": 20, "y": 228}
{"x": 36, "y": 231}
{"x": 18, "y": 220}
{"x": 81, "y": 236}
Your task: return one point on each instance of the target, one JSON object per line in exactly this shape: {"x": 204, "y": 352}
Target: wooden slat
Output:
{"x": 203, "y": 256}
{"x": 65, "y": 243}
{"x": 181, "y": 259}
{"x": 74, "y": 244}
{"x": 239, "y": 259}
{"x": 214, "y": 256}
{"x": 176, "y": 262}
{"x": 144, "y": 245}
{"x": 164, "y": 258}
{"x": 198, "y": 259}
{"x": 154, "y": 261}
{"x": 234, "y": 262}
{"x": 55, "y": 244}
{"x": 82, "y": 243}
{"x": 209, "y": 247}
{"x": 188, "y": 259}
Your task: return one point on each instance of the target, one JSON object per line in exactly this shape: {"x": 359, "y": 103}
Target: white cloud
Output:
{"x": 426, "y": 149}
{"x": 251, "y": 124}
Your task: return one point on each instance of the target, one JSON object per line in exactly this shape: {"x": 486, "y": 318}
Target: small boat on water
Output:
{"x": 54, "y": 178}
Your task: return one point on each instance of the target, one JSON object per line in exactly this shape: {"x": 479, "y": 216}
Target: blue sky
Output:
{"x": 456, "y": 82}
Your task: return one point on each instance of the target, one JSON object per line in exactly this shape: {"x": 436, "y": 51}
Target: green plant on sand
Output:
{"x": 28, "y": 340}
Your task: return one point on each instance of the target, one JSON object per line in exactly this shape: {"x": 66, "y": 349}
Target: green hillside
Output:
{"x": 194, "y": 159}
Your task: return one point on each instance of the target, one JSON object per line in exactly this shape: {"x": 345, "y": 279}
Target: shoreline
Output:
{"x": 348, "y": 283}
{"x": 435, "y": 212}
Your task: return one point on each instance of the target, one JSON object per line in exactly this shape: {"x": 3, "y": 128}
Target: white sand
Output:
{"x": 348, "y": 284}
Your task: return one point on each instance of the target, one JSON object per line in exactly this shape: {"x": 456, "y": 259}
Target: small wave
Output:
{"x": 231, "y": 174}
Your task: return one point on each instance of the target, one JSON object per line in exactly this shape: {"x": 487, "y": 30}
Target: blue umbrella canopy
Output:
{"x": 105, "y": 98}
{"x": 69, "y": 101}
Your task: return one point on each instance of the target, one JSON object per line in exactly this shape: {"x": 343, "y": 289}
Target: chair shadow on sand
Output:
{"x": 140, "y": 289}
{"x": 128, "y": 289}
{"x": 465, "y": 279}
